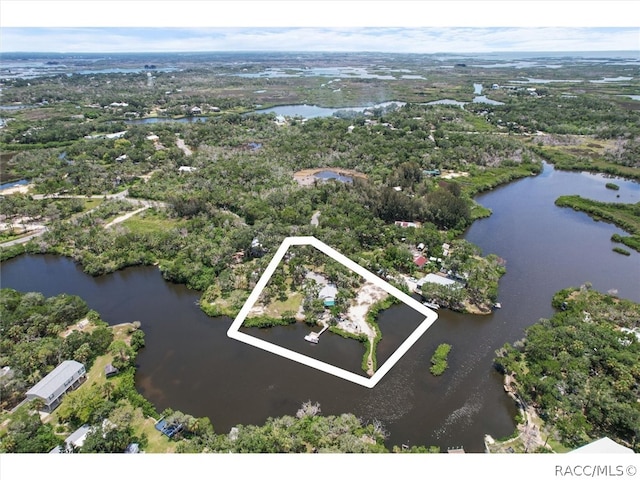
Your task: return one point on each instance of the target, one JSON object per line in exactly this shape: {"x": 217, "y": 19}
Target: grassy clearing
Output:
{"x": 150, "y": 221}
{"x": 157, "y": 442}
{"x": 90, "y": 203}
{"x": 277, "y": 308}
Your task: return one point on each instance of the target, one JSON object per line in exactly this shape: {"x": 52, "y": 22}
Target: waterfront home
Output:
{"x": 50, "y": 390}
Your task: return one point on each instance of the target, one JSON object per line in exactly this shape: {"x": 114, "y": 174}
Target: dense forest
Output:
{"x": 579, "y": 368}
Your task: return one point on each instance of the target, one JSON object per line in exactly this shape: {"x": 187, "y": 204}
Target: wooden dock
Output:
{"x": 314, "y": 337}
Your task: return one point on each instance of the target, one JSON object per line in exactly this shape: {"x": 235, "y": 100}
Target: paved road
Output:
{"x": 24, "y": 239}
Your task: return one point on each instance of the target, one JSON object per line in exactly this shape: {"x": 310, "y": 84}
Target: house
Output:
{"x": 77, "y": 438}
{"x": 50, "y": 390}
{"x": 195, "y": 111}
{"x": 329, "y": 302}
{"x": 439, "y": 279}
{"x": 328, "y": 294}
{"x": 74, "y": 441}
{"x": 407, "y": 224}
{"x": 420, "y": 261}
{"x": 602, "y": 445}
{"x": 185, "y": 168}
{"x": 256, "y": 249}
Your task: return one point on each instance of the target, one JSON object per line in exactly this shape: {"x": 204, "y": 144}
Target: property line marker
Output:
{"x": 235, "y": 333}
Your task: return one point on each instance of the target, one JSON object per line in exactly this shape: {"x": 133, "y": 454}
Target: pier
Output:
{"x": 314, "y": 337}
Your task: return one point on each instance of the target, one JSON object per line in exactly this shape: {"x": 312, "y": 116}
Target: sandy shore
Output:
{"x": 356, "y": 321}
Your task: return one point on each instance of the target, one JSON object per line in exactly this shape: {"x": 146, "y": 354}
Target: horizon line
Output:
{"x": 636, "y": 52}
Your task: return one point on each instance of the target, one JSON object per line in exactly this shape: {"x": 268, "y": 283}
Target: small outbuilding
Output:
{"x": 110, "y": 371}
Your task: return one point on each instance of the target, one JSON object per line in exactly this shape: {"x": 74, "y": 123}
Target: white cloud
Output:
{"x": 409, "y": 40}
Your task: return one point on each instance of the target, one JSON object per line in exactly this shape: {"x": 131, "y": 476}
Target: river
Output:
{"x": 189, "y": 363}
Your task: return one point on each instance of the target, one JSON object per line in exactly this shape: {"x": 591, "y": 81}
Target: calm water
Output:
{"x": 17, "y": 183}
{"x": 190, "y": 364}
{"x": 329, "y": 175}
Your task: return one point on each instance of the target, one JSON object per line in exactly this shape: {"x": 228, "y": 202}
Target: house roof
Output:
{"x": 78, "y": 437}
{"x": 56, "y": 379}
{"x": 433, "y": 278}
{"x": 420, "y": 260}
{"x": 602, "y": 445}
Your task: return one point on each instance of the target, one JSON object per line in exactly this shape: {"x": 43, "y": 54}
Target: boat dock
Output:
{"x": 314, "y": 337}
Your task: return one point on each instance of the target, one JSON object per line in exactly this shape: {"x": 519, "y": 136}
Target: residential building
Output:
{"x": 602, "y": 445}
{"x": 66, "y": 376}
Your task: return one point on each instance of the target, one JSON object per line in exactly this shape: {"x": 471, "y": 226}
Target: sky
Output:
{"x": 412, "y": 26}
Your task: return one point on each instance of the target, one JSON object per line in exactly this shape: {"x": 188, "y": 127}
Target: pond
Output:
{"x": 313, "y": 111}
{"x": 17, "y": 183}
{"x": 331, "y": 175}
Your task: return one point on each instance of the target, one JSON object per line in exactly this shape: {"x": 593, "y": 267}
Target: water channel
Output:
{"x": 189, "y": 363}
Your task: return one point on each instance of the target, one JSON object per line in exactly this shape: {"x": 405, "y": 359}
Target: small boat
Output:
{"x": 312, "y": 337}
{"x": 431, "y": 305}
{"x": 497, "y": 305}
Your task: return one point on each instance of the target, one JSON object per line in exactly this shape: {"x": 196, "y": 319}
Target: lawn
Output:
{"x": 276, "y": 308}
{"x": 91, "y": 203}
{"x": 150, "y": 222}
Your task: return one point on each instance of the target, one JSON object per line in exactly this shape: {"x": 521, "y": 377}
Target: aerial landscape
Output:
{"x": 143, "y": 196}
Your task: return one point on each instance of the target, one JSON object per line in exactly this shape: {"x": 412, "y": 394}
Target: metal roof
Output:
{"x": 55, "y": 380}
{"x": 602, "y": 445}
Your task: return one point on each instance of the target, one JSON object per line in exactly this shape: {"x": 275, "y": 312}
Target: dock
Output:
{"x": 314, "y": 337}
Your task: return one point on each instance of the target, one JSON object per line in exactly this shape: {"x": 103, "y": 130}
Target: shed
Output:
{"x": 110, "y": 371}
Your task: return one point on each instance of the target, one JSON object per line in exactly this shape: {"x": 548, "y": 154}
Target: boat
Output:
{"x": 312, "y": 337}
{"x": 431, "y": 305}
{"x": 497, "y": 305}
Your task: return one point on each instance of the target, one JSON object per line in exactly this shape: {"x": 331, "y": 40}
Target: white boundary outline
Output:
{"x": 234, "y": 329}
